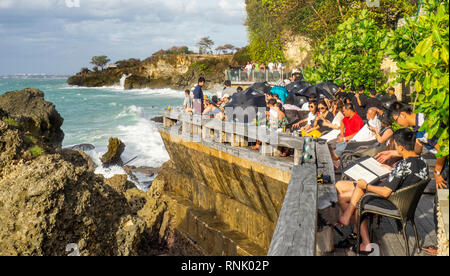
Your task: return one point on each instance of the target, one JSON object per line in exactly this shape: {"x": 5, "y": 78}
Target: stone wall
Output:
{"x": 227, "y": 204}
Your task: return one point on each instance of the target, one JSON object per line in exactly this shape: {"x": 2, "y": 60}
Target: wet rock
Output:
{"x": 96, "y": 79}
{"x": 130, "y": 236}
{"x": 83, "y": 147}
{"x": 136, "y": 82}
{"x": 30, "y": 110}
{"x": 115, "y": 150}
{"x": 158, "y": 119}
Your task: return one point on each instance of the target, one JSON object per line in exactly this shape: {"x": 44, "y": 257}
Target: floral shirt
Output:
{"x": 407, "y": 172}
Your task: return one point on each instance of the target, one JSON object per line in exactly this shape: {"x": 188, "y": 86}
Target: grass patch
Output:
{"x": 36, "y": 151}
{"x": 29, "y": 139}
{"x": 10, "y": 121}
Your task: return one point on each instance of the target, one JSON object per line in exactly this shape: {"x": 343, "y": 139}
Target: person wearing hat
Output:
{"x": 280, "y": 90}
{"x": 228, "y": 90}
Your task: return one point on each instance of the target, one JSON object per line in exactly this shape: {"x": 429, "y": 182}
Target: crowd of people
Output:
{"x": 351, "y": 121}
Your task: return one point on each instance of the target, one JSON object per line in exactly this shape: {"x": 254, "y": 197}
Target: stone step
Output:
{"x": 209, "y": 233}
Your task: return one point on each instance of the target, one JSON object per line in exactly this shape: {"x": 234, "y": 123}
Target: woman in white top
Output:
{"x": 336, "y": 124}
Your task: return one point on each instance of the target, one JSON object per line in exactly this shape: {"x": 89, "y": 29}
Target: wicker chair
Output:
{"x": 405, "y": 200}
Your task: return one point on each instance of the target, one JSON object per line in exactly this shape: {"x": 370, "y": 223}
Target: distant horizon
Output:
{"x": 51, "y": 38}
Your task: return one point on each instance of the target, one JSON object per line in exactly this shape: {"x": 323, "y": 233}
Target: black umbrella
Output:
{"x": 297, "y": 87}
{"x": 317, "y": 92}
{"x": 261, "y": 87}
{"x": 242, "y": 104}
{"x": 296, "y": 99}
{"x": 329, "y": 87}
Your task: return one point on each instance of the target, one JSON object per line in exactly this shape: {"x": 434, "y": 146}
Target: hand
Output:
{"x": 362, "y": 184}
{"x": 341, "y": 139}
{"x": 440, "y": 182}
{"x": 384, "y": 156}
{"x": 373, "y": 129}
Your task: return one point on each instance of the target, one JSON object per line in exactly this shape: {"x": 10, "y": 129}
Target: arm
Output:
{"x": 379, "y": 190}
{"x": 384, "y": 156}
{"x": 440, "y": 181}
{"x": 386, "y": 136}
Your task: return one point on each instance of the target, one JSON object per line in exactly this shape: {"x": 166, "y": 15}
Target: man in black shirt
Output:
{"x": 409, "y": 171}
{"x": 341, "y": 94}
{"x": 360, "y": 102}
{"x": 390, "y": 96}
{"x": 372, "y": 101}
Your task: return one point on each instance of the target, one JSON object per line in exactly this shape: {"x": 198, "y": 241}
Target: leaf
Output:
{"x": 417, "y": 87}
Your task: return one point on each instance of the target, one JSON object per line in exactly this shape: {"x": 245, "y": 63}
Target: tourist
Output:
{"x": 310, "y": 119}
{"x": 188, "y": 104}
{"x": 340, "y": 94}
{"x": 212, "y": 110}
{"x": 239, "y": 89}
{"x": 390, "y": 96}
{"x": 271, "y": 67}
{"x": 248, "y": 69}
{"x": 335, "y": 125}
{"x": 198, "y": 96}
{"x": 280, "y": 91}
{"x": 228, "y": 89}
{"x": 305, "y": 106}
{"x": 323, "y": 115}
{"x": 359, "y": 102}
{"x": 350, "y": 126}
{"x": 372, "y": 101}
{"x": 409, "y": 171}
{"x": 403, "y": 116}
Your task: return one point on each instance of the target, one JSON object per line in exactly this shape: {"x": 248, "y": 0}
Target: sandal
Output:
{"x": 347, "y": 243}
{"x": 430, "y": 250}
{"x": 362, "y": 253}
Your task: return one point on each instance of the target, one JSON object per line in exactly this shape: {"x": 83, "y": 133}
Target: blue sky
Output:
{"x": 57, "y": 37}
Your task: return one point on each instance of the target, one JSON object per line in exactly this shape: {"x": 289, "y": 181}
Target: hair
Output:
{"x": 269, "y": 94}
{"x": 272, "y": 102}
{"x": 406, "y": 138}
{"x": 384, "y": 119}
{"x": 227, "y": 83}
{"x": 361, "y": 88}
{"x": 276, "y": 96}
{"x": 280, "y": 106}
{"x": 187, "y": 91}
{"x": 201, "y": 79}
{"x": 214, "y": 100}
{"x": 396, "y": 108}
{"x": 289, "y": 100}
{"x": 322, "y": 102}
{"x": 352, "y": 88}
{"x": 349, "y": 106}
{"x": 339, "y": 105}
{"x": 239, "y": 89}
{"x": 392, "y": 89}
{"x": 373, "y": 92}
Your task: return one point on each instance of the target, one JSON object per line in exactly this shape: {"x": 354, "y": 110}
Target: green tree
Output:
{"x": 421, "y": 48}
{"x": 100, "y": 61}
{"x": 352, "y": 55}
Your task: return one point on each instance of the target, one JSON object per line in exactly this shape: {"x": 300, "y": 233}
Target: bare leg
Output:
{"x": 349, "y": 212}
{"x": 345, "y": 191}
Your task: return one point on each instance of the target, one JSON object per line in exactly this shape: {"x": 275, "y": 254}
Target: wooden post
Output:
{"x": 297, "y": 157}
{"x": 267, "y": 149}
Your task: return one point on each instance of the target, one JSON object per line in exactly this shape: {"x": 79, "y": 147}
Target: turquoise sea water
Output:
{"x": 93, "y": 115}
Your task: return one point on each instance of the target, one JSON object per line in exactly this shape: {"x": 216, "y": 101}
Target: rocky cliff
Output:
{"x": 50, "y": 198}
{"x": 161, "y": 71}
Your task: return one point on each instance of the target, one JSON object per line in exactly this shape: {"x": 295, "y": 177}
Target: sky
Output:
{"x": 61, "y": 36}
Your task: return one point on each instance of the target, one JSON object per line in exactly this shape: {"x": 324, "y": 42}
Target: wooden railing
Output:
{"x": 295, "y": 233}
{"x": 201, "y": 128}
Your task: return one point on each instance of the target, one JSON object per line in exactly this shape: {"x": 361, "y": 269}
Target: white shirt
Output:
{"x": 365, "y": 134}
{"x": 334, "y": 134}
{"x": 311, "y": 118}
{"x": 271, "y": 66}
{"x": 305, "y": 106}
{"x": 249, "y": 67}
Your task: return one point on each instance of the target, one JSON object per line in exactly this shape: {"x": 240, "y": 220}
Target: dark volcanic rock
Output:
{"x": 137, "y": 82}
{"x": 112, "y": 156}
{"x": 96, "y": 79}
{"x": 36, "y": 115}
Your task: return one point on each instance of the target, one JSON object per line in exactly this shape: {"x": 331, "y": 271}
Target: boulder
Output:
{"x": 119, "y": 183}
{"x": 39, "y": 117}
{"x": 115, "y": 150}
{"x": 137, "y": 82}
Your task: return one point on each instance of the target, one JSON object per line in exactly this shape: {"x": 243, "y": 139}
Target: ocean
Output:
{"x": 93, "y": 115}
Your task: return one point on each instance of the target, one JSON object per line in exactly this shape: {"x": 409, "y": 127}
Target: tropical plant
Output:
{"x": 421, "y": 48}
{"x": 353, "y": 55}
{"x": 205, "y": 45}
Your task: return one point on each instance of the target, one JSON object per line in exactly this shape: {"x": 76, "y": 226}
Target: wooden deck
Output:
{"x": 391, "y": 240}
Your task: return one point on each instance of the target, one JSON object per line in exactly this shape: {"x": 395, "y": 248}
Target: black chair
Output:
{"x": 405, "y": 200}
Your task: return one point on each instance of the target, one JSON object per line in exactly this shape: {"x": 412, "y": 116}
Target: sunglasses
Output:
{"x": 311, "y": 106}
{"x": 322, "y": 108}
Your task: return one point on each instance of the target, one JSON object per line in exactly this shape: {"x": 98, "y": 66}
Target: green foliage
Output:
{"x": 100, "y": 61}
{"x": 30, "y": 139}
{"x": 126, "y": 63}
{"x": 10, "y": 121}
{"x": 36, "y": 151}
{"x": 422, "y": 49}
{"x": 353, "y": 55}
{"x": 205, "y": 66}
{"x": 242, "y": 56}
